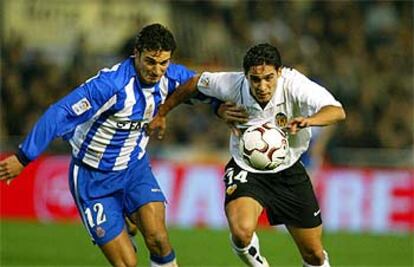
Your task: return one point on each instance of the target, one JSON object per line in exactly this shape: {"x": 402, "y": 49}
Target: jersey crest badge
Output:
{"x": 100, "y": 232}
{"x": 230, "y": 190}
{"x": 281, "y": 120}
{"x": 81, "y": 106}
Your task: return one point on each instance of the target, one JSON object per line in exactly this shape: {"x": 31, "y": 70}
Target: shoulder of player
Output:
{"x": 225, "y": 86}
{"x": 174, "y": 71}
{"x": 116, "y": 76}
{"x": 228, "y": 79}
{"x": 292, "y": 79}
{"x": 290, "y": 73}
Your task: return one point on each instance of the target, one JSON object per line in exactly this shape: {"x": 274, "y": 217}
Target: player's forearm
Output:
{"x": 181, "y": 94}
{"x": 50, "y": 125}
{"x": 327, "y": 115}
{"x": 36, "y": 141}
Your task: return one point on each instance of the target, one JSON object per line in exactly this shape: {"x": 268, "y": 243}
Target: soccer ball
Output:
{"x": 264, "y": 147}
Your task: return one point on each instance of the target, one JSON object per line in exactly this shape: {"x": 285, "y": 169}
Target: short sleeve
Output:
{"x": 224, "y": 86}
{"x": 310, "y": 95}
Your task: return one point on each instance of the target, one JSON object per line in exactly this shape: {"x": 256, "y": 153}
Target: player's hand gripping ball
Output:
{"x": 264, "y": 147}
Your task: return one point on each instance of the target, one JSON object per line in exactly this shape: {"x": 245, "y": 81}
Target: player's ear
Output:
{"x": 279, "y": 71}
{"x": 136, "y": 52}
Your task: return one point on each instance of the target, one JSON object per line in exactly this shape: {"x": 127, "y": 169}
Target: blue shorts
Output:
{"x": 103, "y": 198}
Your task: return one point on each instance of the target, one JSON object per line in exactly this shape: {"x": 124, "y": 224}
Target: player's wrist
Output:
{"x": 22, "y": 158}
{"x": 163, "y": 111}
{"x": 309, "y": 121}
{"x": 216, "y": 105}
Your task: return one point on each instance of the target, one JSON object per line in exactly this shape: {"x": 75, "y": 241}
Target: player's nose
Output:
{"x": 262, "y": 87}
{"x": 158, "y": 70}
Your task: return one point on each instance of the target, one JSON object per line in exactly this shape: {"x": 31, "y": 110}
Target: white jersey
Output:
{"x": 295, "y": 96}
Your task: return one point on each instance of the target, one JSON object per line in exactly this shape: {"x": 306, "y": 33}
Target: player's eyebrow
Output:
{"x": 154, "y": 61}
{"x": 261, "y": 77}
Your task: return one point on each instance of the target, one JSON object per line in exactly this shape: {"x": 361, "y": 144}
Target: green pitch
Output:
{"x": 32, "y": 244}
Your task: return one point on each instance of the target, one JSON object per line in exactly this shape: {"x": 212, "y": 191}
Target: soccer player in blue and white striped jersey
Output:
{"x": 104, "y": 120}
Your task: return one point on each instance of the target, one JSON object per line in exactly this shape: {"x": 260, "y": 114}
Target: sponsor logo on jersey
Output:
{"x": 81, "y": 106}
{"x": 230, "y": 190}
{"x": 131, "y": 125}
{"x": 281, "y": 120}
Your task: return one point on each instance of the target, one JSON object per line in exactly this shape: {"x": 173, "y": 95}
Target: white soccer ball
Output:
{"x": 264, "y": 147}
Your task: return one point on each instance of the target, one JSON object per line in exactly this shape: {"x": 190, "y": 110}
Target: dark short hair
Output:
{"x": 261, "y": 54}
{"x": 155, "y": 37}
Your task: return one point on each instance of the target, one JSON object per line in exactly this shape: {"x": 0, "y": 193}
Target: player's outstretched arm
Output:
{"x": 180, "y": 95}
{"x": 325, "y": 116}
{"x": 10, "y": 167}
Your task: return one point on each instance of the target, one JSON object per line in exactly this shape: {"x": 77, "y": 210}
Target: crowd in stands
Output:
{"x": 362, "y": 51}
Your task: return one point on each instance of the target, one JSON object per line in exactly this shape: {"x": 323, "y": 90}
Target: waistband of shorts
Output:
{"x": 145, "y": 159}
{"x": 80, "y": 163}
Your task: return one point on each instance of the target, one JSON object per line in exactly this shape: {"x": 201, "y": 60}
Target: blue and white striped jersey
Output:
{"x": 104, "y": 118}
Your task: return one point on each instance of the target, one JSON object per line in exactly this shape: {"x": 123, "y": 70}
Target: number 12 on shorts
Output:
{"x": 98, "y": 211}
{"x": 231, "y": 178}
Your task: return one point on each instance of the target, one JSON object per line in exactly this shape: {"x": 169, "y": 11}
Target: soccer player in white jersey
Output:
{"x": 104, "y": 120}
{"x": 270, "y": 93}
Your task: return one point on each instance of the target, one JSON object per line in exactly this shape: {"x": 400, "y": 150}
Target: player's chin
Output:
{"x": 152, "y": 80}
{"x": 264, "y": 100}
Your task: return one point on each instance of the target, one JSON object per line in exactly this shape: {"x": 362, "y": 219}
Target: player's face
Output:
{"x": 263, "y": 80}
{"x": 151, "y": 65}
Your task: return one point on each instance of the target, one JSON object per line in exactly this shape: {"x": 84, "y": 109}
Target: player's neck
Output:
{"x": 144, "y": 84}
{"x": 261, "y": 104}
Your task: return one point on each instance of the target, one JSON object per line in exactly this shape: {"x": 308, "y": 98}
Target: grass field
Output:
{"x": 32, "y": 244}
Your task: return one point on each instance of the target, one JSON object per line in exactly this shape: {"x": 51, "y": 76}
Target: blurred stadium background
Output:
{"x": 363, "y": 169}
